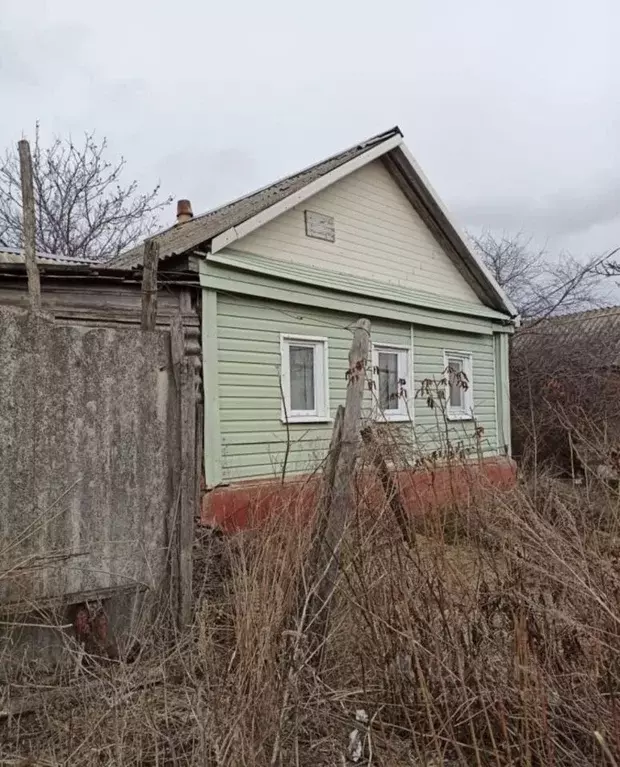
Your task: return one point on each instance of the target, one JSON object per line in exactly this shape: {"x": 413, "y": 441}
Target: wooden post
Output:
{"x": 149, "y": 285}
{"x": 29, "y": 226}
{"x": 340, "y": 500}
{"x": 177, "y": 348}
{"x": 182, "y": 520}
{"x": 331, "y": 463}
{"x": 390, "y": 488}
{"x": 319, "y": 556}
{"x": 188, "y": 491}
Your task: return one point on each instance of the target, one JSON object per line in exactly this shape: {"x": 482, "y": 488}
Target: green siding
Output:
{"x": 222, "y": 278}
{"x": 429, "y": 346}
{"x": 351, "y": 283}
{"x": 253, "y": 439}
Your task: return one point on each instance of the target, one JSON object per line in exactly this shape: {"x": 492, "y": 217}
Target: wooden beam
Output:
{"x": 29, "y": 226}
{"x": 149, "y": 285}
{"x": 188, "y": 491}
{"x": 181, "y": 526}
{"x": 212, "y": 434}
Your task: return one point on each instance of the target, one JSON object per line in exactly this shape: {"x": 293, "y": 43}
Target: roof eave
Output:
{"x": 416, "y": 186}
{"x": 477, "y": 274}
{"x": 491, "y": 290}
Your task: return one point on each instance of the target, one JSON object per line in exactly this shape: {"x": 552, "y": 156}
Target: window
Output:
{"x": 304, "y": 379}
{"x": 459, "y": 394}
{"x": 391, "y": 373}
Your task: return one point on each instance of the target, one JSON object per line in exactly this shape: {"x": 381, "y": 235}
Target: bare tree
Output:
{"x": 538, "y": 285}
{"x": 83, "y": 207}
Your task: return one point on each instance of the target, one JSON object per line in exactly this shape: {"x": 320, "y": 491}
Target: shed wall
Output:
{"x": 87, "y": 440}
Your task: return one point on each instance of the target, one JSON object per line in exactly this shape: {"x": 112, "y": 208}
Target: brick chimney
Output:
{"x": 184, "y": 211}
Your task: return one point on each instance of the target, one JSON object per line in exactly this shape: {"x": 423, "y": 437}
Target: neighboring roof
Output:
{"x": 592, "y": 333}
{"x": 216, "y": 229}
{"x": 16, "y": 256}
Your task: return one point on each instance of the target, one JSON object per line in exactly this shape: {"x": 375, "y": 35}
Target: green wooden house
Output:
{"x": 287, "y": 270}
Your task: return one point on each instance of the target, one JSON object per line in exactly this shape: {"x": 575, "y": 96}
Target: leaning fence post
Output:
{"x": 339, "y": 499}
{"x": 29, "y": 226}
{"x": 390, "y": 487}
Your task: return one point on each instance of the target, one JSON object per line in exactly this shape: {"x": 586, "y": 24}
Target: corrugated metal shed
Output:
{"x": 181, "y": 237}
{"x": 581, "y": 333}
{"x": 16, "y": 256}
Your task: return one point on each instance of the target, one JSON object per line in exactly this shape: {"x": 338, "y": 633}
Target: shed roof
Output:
{"x": 592, "y": 333}
{"x": 16, "y": 256}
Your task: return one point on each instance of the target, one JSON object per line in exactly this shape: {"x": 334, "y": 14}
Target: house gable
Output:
{"x": 378, "y": 235}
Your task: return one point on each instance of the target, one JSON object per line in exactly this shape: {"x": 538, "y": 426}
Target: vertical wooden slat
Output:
{"x": 188, "y": 490}
{"x": 212, "y": 434}
{"x": 149, "y": 285}
{"x": 177, "y": 348}
{"x": 182, "y": 518}
{"x": 29, "y": 227}
{"x": 175, "y": 450}
{"x": 199, "y": 459}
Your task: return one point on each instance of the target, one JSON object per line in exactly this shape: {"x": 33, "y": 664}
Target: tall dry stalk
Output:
{"x": 495, "y": 640}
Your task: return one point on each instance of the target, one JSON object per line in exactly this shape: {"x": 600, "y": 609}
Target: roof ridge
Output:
{"x": 365, "y": 145}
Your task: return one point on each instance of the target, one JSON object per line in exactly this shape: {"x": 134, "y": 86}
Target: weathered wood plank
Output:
{"x": 175, "y": 453}
{"x": 177, "y": 349}
{"x": 149, "y": 285}
{"x": 188, "y": 490}
{"x": 29, "y": 232}
{"x": 340, "y": 500}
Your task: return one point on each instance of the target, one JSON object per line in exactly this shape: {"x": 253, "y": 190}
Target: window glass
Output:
{"x": 456, "y": 383}
{"x": 387, "y": 364}
{"x": 301, "y": 359}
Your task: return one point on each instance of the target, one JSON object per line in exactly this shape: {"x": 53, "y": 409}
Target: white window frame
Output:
{"x": 321, "y": 379}
{"x": 404, "y": 412}
{"x": 465, "y": 413}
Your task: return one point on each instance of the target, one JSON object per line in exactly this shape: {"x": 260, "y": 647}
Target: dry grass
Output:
{"x": 498, "y": 644}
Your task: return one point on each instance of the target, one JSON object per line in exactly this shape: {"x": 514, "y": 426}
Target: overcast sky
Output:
{"x": 512, "y": 107}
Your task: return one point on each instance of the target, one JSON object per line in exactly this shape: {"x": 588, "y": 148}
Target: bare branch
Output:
{"x": 84, "y": 209}
{"x": 538, "y": 285}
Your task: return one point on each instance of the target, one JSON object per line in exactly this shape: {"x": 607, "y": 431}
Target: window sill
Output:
{"x": 459, "y": 417}
{"x": 307, "y": 419}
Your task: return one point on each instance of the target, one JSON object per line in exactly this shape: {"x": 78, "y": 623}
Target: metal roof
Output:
{"x": 579, "y": 334}
{"x": 16, "y": 256}
{"x": 180, "y": 238}
{"x": 236, "y": 218}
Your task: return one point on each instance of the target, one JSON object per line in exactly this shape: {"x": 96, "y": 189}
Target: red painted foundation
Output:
{"x": 244, "y": 505}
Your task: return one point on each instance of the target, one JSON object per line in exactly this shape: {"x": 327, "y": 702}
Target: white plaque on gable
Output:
{"x": 319, "y": 226}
